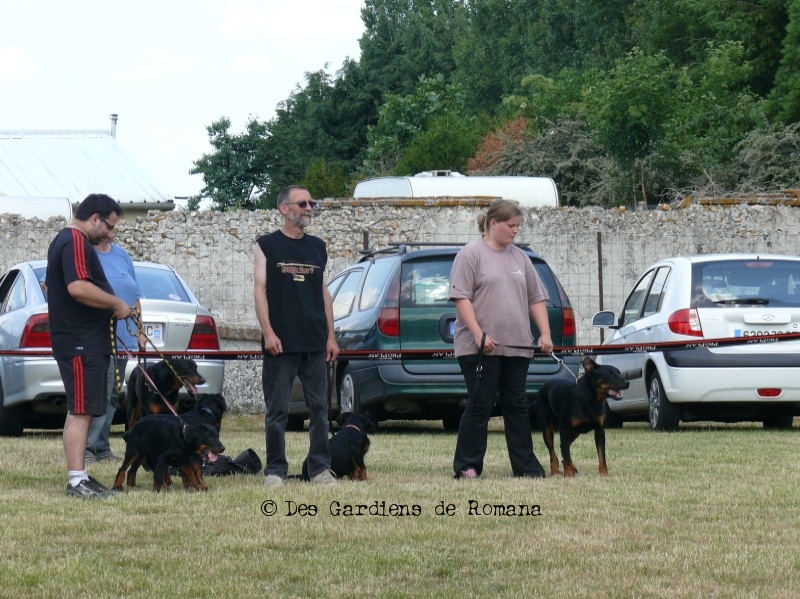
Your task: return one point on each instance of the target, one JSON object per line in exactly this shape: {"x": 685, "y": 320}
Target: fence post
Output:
{"x": 600, "y": 277}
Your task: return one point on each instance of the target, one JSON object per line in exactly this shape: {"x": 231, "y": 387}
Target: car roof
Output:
{"x": 421, "y": 249}
{"x": 700, "y": 258}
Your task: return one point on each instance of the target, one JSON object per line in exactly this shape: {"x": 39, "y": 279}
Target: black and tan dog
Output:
{"x": 163, "y": 440}
{"x": 349, "y": 446}
{"x": 209, "y": 408}
{"x": 142, "y": 399}
{"x": 576, "y": 407}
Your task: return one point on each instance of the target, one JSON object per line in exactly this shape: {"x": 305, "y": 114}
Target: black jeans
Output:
{"x": 502, "y": 379}
{"x": 277, "y": 377}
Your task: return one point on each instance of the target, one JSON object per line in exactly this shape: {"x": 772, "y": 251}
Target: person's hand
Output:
{"x": 122, "y": 310}
{"x": 545, "y": 344}
{"x": 331, "y": 350}
{"x": 272, "y": 344}
{"x": 488, "y": 345}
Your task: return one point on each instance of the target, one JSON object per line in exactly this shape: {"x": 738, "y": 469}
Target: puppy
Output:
{"x": 142, "y": 399}
{"x": 209, "y": 408}
{"x": 163, "y": 440}
{"x": 576, "y": 407}
{"x": 348, "y": 447}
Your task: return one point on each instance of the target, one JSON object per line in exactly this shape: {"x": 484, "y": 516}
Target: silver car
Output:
{"x": 692, "y": 298}
{"x": 31, "y": 391}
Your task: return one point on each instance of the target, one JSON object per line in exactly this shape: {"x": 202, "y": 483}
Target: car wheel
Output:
{"x": 12, "y": 420}
{"x": 779, "y": 423}
{"x": 664, "y": 415}
{"x": 613, "y": 420}
{"x": 348, "y": 402}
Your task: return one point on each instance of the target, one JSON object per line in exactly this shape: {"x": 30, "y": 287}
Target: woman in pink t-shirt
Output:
{"x": 496, "y": 291}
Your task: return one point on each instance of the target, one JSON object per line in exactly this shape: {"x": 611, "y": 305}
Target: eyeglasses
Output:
{"x": 108, "y": 224}
{"x": 305, "y": 203}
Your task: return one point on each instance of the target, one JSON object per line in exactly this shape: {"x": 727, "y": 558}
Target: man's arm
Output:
{"x": 90, "y": 294}
{"x": 331, "y": 347}
{"x": 271, "y": 342}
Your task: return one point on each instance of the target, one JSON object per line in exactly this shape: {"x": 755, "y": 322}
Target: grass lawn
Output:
{"x": 704, "y": 512}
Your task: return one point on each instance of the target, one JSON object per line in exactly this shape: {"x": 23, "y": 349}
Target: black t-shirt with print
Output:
{"x": 295, "y": 279}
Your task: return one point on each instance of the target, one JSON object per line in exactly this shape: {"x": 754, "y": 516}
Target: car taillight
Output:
{"x": 567, "y": 322}
{"x": 204, "y": 334}
{"x": 389, "y": 321}
{"x": 685, "y": 322}
{"x": 36, "y": 332}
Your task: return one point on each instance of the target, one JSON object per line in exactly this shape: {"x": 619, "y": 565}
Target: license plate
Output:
{"x": 759, "y": 333}
{"x": 154, "y": 330}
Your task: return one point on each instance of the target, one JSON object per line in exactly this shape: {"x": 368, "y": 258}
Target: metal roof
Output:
{"x": 72, "y": 164}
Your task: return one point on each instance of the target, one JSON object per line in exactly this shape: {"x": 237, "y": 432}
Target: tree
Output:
{"x": 429, "y": 129}
{"x": 628, "y": 109}
{"x": 405, "y": 40}
{"x": 784, "y": 99}
{"x": 681, "y": 29}
{"x": 236, "y": 171}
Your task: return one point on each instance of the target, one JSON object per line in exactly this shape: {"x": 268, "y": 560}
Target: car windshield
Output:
{"x": 426, "y": 282}
{"x": 156, "y": 283}
{"x": 160, "y": 284}
{"x": 746, "y": 282}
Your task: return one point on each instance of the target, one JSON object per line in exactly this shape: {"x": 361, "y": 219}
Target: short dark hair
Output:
{"x": 98, "y": 203}
{"x": 286, "y": 192}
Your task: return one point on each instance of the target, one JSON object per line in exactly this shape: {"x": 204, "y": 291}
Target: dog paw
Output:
{"x": 570, "y": 470}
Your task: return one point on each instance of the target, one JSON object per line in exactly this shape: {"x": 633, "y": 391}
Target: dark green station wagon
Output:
{"x": 396, "y": 299}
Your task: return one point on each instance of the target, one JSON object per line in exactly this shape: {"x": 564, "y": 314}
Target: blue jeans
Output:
{"x": 98, "y": 444}
{"x": 502, "y": 379}
{"x": 277, "y": 377}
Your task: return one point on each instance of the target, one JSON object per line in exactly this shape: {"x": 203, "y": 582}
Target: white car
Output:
{"x": 692, "y": 298}
{"x": 31, "y": 391}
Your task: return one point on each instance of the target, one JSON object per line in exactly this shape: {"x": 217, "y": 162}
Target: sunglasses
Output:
{"x": 305, "y": 203}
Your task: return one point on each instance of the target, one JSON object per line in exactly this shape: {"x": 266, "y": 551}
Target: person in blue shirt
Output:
{"x": 118, "y": 266}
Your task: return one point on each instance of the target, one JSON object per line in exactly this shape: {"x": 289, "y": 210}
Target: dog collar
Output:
{"x": 353, "y": 426}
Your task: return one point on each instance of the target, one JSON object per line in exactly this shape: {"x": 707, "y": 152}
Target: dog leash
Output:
{"x": 136, "y": 318}
{"x": 535, "y": 348}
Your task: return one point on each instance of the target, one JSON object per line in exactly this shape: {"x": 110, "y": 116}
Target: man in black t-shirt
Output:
{"x": 81, "y": 308}
{"x": 295, "y": 313}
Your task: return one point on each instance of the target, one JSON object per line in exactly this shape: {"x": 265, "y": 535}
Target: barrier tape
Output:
{"x": 424, "y": 354}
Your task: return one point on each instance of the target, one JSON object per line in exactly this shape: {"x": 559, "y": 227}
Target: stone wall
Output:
{"x": 597, "y": 254}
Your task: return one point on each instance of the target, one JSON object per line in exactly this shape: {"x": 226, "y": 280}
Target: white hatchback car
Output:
{"x": 709, "y": 297}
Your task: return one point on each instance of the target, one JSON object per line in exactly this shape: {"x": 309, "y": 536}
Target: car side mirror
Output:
{"x": 604, "y": 320}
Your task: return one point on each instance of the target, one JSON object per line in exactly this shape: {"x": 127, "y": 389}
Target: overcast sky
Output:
{"x": 169, "y": 68}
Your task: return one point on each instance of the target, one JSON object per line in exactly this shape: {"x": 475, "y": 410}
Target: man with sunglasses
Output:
{"x": 81, "y": 306}
{"x": 295, "y": 313}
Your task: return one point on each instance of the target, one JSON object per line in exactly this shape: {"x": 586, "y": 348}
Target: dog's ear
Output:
{"x": 342, "y": 419}
{"x": 369, "y": 424}
{"x": 589, "y": 365}
{"x": 192, "y": 434}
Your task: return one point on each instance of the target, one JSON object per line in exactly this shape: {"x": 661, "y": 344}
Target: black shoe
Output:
{"x": 90, "y": 489}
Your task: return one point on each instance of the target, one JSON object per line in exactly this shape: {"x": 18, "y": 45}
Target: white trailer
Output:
{"x": 536, "y": 192}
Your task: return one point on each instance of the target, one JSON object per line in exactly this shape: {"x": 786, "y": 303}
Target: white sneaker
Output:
{"x": 326, "y": 477}
{"x": 273, "y": 480}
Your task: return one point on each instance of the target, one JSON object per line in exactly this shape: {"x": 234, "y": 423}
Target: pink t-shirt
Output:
{"x": 501, "y": 284}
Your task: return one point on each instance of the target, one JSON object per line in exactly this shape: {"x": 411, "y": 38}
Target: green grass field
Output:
{"x": 705, "y": 512}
